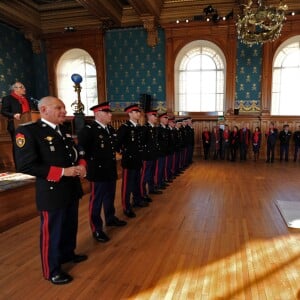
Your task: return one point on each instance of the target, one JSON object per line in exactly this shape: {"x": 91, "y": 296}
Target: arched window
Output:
{"x": 286, "y": 78}
{"x": 80, "y": 62}
{"x": 200, "y": 78}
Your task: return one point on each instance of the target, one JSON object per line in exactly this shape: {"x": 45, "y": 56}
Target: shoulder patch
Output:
{"x": 20, "y": 140}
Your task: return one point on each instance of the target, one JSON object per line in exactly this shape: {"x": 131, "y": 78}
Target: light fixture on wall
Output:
{"x": 259, "y": 24}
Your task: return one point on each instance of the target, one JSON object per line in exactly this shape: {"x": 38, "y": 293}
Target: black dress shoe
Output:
{"x": 61, "y": 278}
{"x": 141, "y": 204}
{"x": 100, "y": 236}
{"x": 147, "y": 199}
{"x": 155, "y": 192}
{"x": 129, "y": 213}
{"x": 76, "y": 258}
{"x": 79, "y": 258}
{"x": 116, "y": 222}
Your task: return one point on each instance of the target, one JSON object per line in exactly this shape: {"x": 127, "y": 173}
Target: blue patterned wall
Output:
{"x": 41, "y": 74}
{"x": 18, "y": 62}
{"x": 248, "y": 78}
{"x": 134, "y": 68}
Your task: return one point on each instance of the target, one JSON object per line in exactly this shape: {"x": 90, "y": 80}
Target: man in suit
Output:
{"x": 296, "y": 138}
{"x": 97, "y": 141}
{"x": 44, "y": 149}
{"x": 13, "y": 106}
{"x": 271, "y": 136}
{"x": 284, "y": 138}
{"x": 129, "y": 144}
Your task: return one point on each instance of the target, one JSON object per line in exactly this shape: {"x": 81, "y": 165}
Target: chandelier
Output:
{"x": 260, "y": 24}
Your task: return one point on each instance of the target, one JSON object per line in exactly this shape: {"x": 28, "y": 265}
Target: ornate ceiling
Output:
{"x": 48, "y": 16}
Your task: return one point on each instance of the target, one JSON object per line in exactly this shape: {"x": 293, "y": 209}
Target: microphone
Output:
{"x": 34, "y": 101}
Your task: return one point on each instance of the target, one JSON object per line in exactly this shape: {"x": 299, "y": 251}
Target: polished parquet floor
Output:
{"x": 215, "y": 233}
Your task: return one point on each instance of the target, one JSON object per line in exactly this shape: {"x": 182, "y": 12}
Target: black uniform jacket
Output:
{"x": 10, "y": 107}
{"x": 42, "y": 152}
{"x": 150, "y": 142}
{"x": 98, "y": 148}
{"x": 129, "y": 143}
{"x": 163, "y": 136}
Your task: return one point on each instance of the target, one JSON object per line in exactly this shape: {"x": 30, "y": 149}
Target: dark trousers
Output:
{"x": 270, "y": 152}
{"x": 58, "y": 237}
{"x": 297, "y": 147}
{"x": 284, "y": 151}
{"x": 233, "y": 151}
{"x": 190, "y": 152}
{"x": 130, "y": 185}
{"x": 177, "y": 163}
{"x": 147, "y": 177}
{"x": 102, "y": 194}
{"x": 225, "y": 150}
{"x": 168, "y": 167}
{"x": 243, "y": 151}
{"x": 206, "y": 148}
{"x": 160, "y": 170}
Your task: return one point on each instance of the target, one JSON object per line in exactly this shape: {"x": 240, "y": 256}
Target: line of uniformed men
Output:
{"x": 153, "y": 154}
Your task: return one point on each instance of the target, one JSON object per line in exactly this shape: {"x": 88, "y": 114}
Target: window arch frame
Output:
{"x": 84, "y": 91}
{"x": 218, "y": 54}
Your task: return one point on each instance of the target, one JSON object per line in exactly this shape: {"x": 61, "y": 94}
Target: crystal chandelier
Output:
{"x": 260, "y": 24}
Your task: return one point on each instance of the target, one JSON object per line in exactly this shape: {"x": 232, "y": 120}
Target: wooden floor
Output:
{"x": 215, "y": 233}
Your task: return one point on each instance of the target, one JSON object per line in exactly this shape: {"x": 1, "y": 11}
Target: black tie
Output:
{"x": 57, "y": 130}
{"x": 106, "y": 128}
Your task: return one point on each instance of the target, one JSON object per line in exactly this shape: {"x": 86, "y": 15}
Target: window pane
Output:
{"x": 200, "y": 79}
{"x": 81, "y": 61}
{"x": 285, "y": 84}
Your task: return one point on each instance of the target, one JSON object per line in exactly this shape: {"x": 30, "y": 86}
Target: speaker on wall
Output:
{"x": 145, "y": 102}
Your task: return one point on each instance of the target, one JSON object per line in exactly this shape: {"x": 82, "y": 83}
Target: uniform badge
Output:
{"x": 20, "y": 140}
{"x": 49, "y": 138}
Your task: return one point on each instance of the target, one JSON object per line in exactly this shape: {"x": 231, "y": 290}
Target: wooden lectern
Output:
{"x": 27, "y": 117}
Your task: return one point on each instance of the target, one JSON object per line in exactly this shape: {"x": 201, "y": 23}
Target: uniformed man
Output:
{"x": 150, "y": 154}
{"x": 163, "y": 136}
{"x": 129, "y": 144}
{"x": 46, "y": 150}
{"x": 98, "y": 141}
{"x": 170, "y": 164}
{"x": 179, "y": 145}
{"x": 190, "y": 140}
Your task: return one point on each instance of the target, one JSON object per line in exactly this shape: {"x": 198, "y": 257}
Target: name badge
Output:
{"x": 52, "y": 148}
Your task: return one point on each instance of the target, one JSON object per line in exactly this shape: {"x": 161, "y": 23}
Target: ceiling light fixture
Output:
{"x": 259, "y": 23}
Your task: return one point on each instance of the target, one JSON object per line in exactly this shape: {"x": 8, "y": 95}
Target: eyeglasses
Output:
{"x": 20, "y": 87}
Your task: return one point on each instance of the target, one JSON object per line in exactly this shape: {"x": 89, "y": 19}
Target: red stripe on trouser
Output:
{"x": 92, "y": 200}
{"x": 156, "y": 172}
{"x": 124, "y": 185}
{"x": 45, "y": 245}
{"x": 142, "y": 178}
